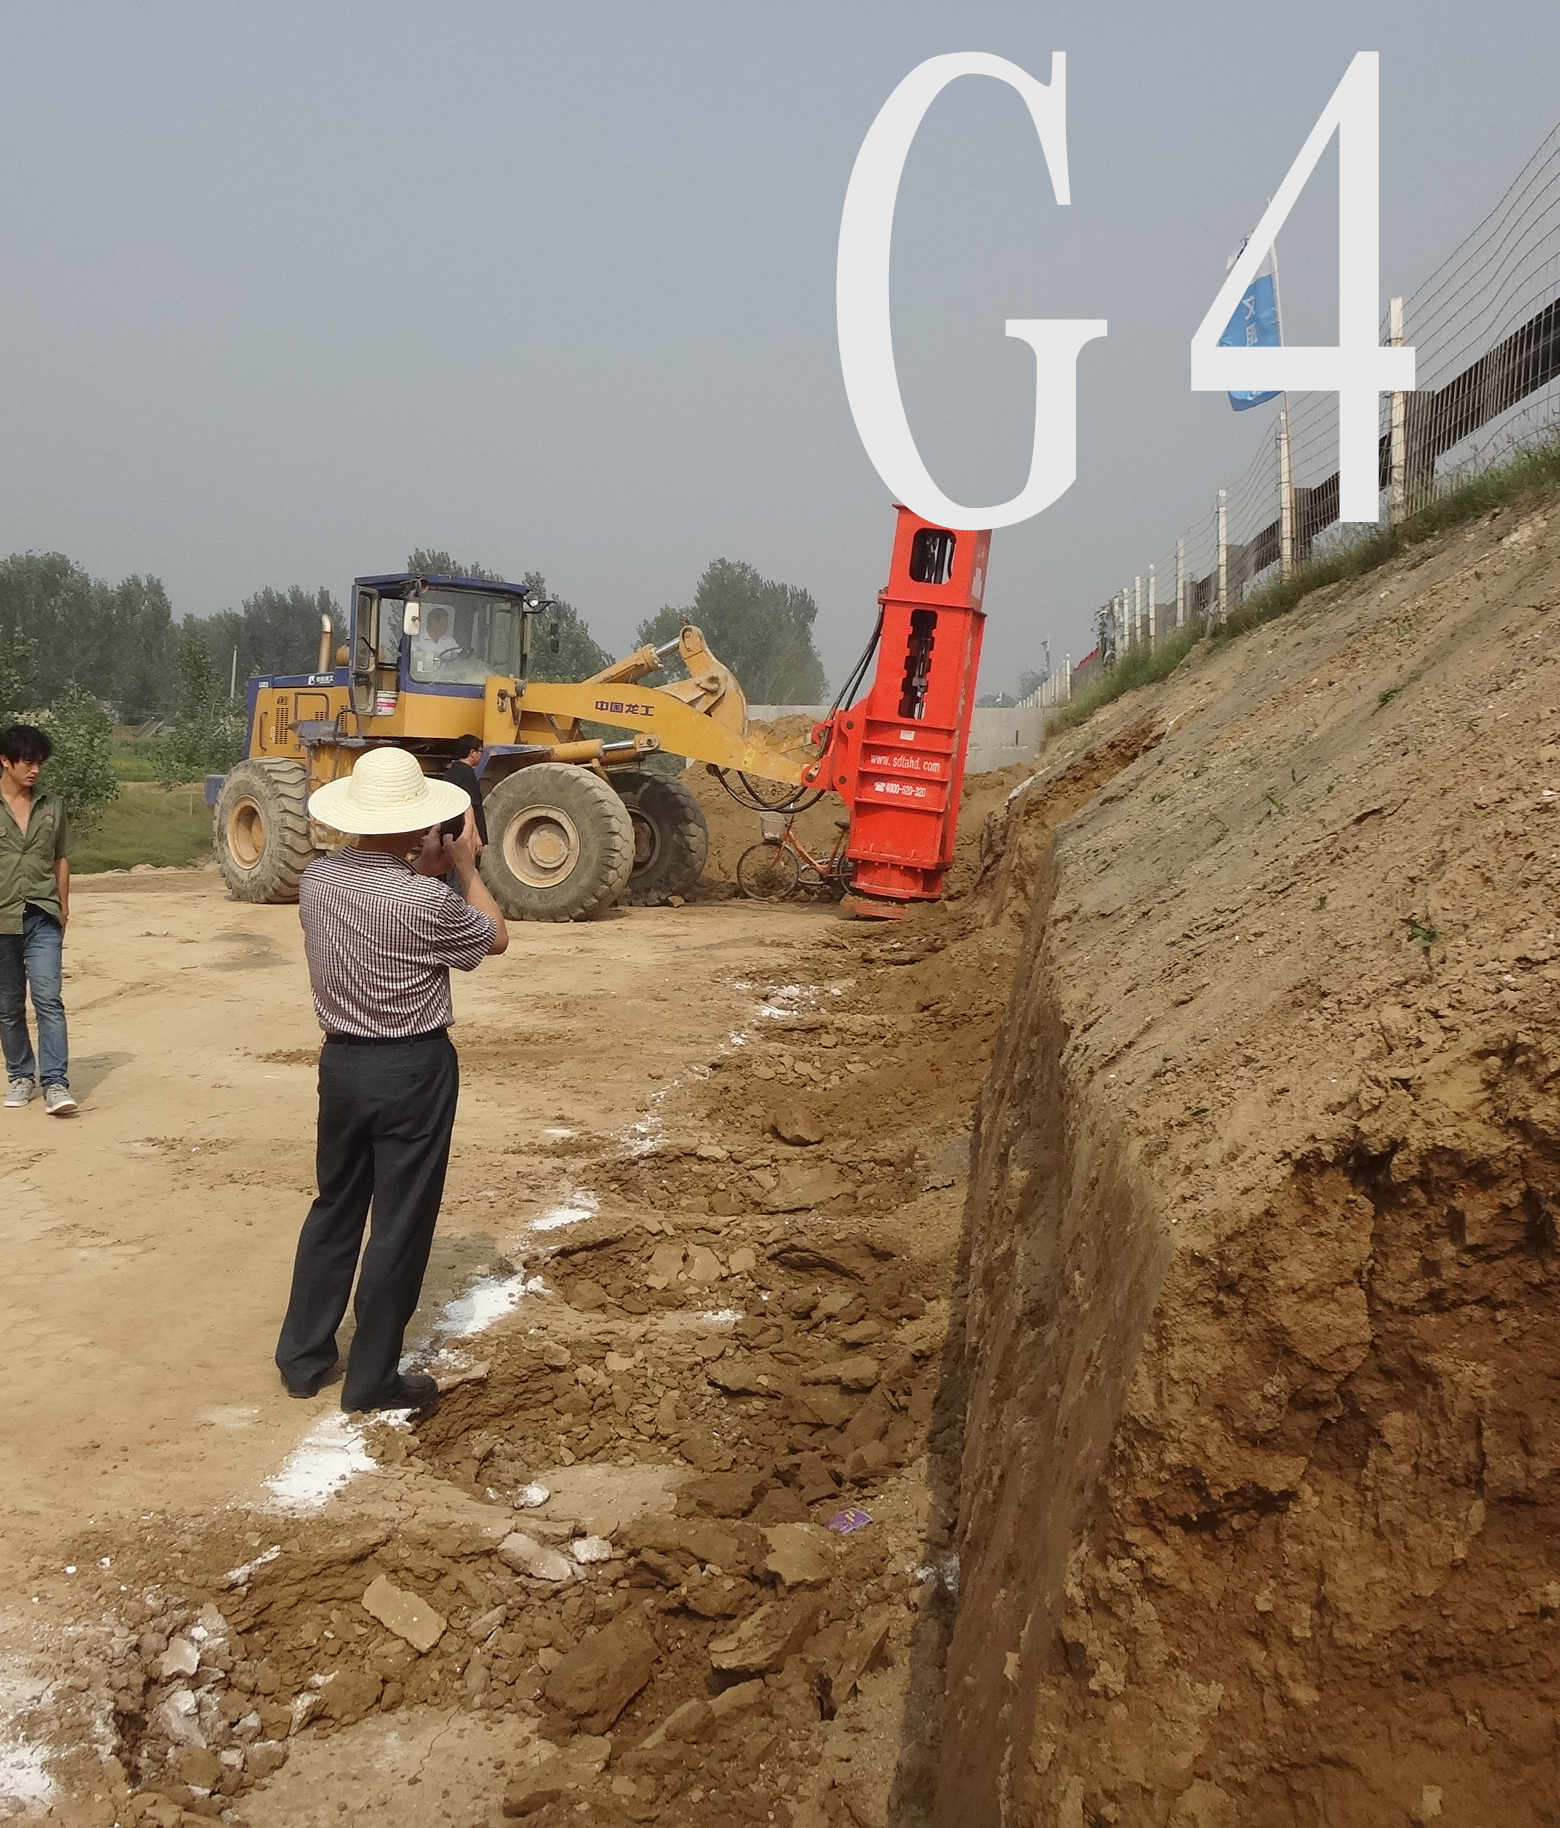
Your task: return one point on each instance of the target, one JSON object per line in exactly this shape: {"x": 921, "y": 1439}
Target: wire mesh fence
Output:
{"x": 1485, "y": 326}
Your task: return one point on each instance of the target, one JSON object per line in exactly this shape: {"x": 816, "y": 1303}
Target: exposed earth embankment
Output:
{"x": 1260, "y": 1484}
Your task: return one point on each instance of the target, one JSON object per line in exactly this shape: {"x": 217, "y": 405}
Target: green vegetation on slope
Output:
{"x": 1529, "y": 476}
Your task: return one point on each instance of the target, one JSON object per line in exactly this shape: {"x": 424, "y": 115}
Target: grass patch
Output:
{"x": 134, "y": 760}
{"x": 1139, "y": 666}
{"x": 145, "y": 825}
{"x": 1527, "y": 476}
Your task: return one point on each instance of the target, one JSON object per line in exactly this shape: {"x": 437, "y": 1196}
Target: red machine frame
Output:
{"x": 896, "y": 756}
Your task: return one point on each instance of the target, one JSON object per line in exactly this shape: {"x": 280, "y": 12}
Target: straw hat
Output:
{"x": 386, "y": 792}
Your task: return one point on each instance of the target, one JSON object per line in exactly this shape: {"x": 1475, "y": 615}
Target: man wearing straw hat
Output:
{"x": 381, "y": 931}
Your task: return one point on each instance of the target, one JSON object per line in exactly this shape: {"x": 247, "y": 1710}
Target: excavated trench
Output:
{"x": 1062, "y": 1260}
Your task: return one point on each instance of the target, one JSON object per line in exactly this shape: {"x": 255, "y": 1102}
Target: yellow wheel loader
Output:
{"x": 575, "y": 822}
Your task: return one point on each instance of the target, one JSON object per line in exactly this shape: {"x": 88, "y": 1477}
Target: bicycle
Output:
{"x": 780, "y": 864}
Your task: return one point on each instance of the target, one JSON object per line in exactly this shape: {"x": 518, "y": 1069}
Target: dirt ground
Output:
{"x": 688, "y": 1315}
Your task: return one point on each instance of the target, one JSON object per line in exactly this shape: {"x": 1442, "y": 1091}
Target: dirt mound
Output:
{"x": 699, "y": 1620}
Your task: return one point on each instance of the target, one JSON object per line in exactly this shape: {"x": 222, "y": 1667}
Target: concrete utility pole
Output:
{"x": 1397, "y": 500}
{"x": 1224, "y": 554}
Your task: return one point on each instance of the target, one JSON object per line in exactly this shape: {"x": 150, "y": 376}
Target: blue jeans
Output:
{"x": 32, "y": 960}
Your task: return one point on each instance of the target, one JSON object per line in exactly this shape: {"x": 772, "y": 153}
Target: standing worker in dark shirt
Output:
{"x": 463, "y": 772}
{"x": 381, "y": 936}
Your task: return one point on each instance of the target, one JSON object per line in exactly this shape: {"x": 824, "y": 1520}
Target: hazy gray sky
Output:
{"x": 288, "y": 289}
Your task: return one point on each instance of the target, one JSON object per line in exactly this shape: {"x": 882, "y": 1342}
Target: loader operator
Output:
{"x": 381, "y": 933}
{"x": 435, "y": 641}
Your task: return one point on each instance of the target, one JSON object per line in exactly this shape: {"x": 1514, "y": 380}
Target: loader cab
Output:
{"x": 435, "y": 637}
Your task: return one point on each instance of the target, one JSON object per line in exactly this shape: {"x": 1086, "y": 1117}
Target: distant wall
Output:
{"x": 997, "y": 738}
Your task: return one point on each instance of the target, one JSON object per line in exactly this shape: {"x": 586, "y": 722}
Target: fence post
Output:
{"x": 1397, "y": 498}
{"x": 1224, "y": 554}
{"x": 1151, "y": 604}
{"x": 1286, "y": 497}
{"x": 1137, "y": 606}
{"x": 1067, "y": 677}
{"x": 1180, "y": 583}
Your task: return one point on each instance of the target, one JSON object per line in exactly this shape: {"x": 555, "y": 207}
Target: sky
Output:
{"x": 287, "y": 290}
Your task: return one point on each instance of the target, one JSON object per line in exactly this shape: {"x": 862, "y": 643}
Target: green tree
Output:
{"x": 50, "y": 604}
{"x": 208, "y": 732}
{"x": 760, "y": 628}
{"x": 435, "y": 562}
{"x": 111, "y": 641}
{"x": 81, "y": 769}
{"x": 137, "y": 660}
{"x": 274, "y": 631}
{"x": 15, "y": 663}
{"x": 1028, "y": 681}
{"x": 562, "y": 646}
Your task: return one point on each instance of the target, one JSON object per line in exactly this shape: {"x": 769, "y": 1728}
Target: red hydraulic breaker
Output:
{"x": 896, "y": 756}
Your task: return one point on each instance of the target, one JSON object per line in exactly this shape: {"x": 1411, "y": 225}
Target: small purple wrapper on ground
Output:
{"x": 843, "y": 1522}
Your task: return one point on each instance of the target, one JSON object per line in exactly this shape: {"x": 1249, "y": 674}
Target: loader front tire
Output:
{"x": 560, "y": 844}
{"x": 261, "y": 830}
{"x": 671, "y": 838}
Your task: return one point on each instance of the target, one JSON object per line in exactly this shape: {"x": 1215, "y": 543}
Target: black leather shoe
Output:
{"x": 412, "y": 1391}
{"x": 311, "y": 1386}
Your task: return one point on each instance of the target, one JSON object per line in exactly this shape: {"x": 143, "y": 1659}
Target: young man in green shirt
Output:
{"x": 34, "y": 912}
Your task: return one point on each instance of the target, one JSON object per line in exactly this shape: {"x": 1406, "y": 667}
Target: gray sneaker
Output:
{"x": 18, "y": 1093}
{"x": 58, "y": 1102}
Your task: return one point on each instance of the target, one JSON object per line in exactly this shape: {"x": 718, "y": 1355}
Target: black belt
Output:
{"x": 428, "y": 1034}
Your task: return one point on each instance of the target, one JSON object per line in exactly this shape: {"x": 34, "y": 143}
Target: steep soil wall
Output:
{"x": 1260, "y": 1483}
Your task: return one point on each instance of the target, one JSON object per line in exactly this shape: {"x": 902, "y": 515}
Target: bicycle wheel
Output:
{"x": 840, "y": 879}
{"x": 765, "y": 872}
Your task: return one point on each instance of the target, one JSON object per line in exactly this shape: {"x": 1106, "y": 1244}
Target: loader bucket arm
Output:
{"x": 711, "y": 687}
{"x": 703, "y": 716}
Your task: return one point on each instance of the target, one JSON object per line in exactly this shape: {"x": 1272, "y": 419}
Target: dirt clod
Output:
{"x": 598, "y": 1678}
{"x": 526, "y": 1555}
{"x": 558, "y": 1776}
{"x": 404, "y": 1613}
{"x": 798, "y": 1126}
{"x": 765, "y": 1638}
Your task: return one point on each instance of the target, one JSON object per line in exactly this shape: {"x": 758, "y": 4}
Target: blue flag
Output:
{"x": 1254, "y": 326}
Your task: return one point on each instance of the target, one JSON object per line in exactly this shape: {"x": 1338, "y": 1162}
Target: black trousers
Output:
{"x": 386, "y": 1114}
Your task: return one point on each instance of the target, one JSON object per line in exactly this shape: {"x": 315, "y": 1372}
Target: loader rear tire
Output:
{"x": 560, "y": 844}
{"x": 261, "y": 830}
{"x": 671, "y": 838}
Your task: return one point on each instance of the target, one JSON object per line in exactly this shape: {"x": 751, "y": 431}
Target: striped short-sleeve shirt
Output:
{"x": 380, "y": 941}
